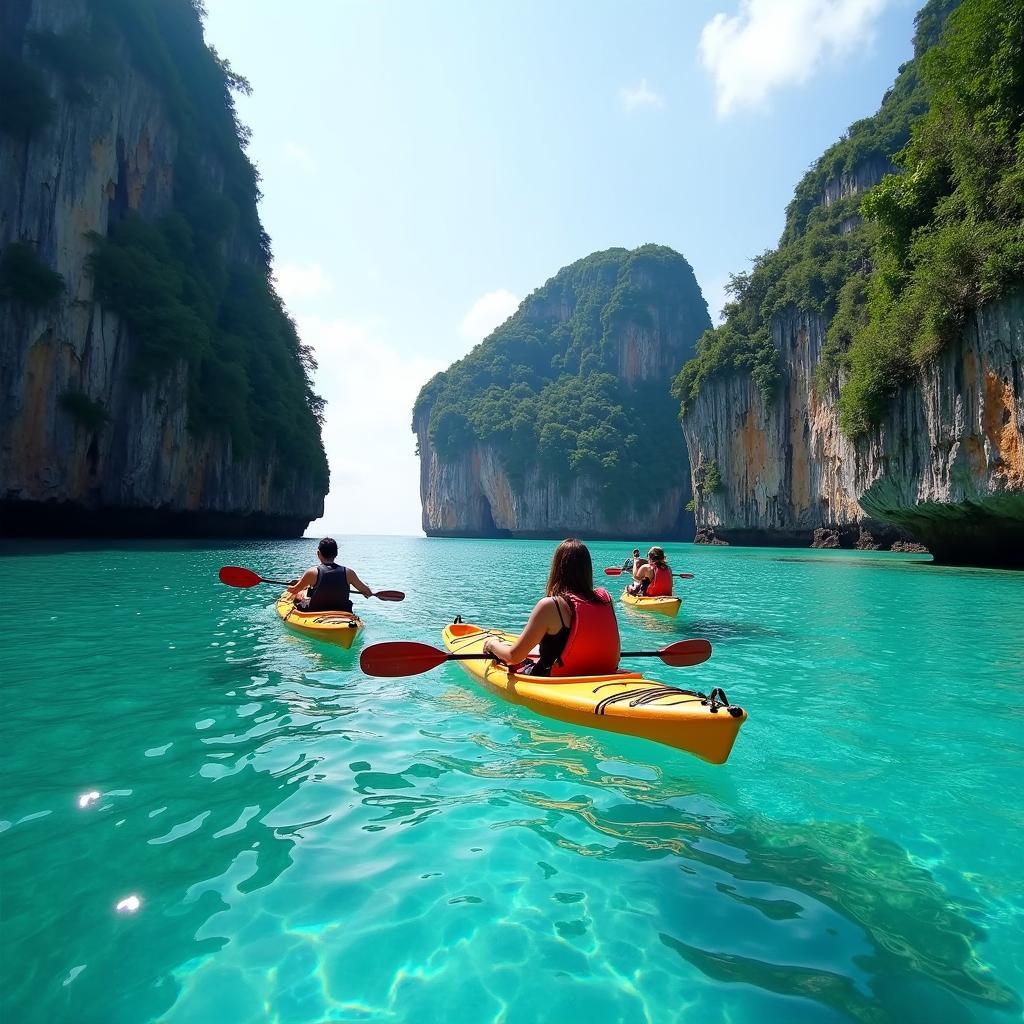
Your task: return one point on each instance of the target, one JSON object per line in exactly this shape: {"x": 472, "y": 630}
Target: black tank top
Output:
{"x": 551, "y": 646}
{"x": 330, "y": 592}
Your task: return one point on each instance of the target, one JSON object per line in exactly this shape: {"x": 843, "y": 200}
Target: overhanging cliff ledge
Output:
{"x": 151, "y": 382}
{"x": 561, "y": 421}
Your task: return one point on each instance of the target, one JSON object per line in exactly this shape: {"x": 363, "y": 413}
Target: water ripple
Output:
{"x": 308, "y": 844}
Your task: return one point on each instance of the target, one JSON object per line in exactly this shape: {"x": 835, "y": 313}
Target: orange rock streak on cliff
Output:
{"x": 1000, "y": 420}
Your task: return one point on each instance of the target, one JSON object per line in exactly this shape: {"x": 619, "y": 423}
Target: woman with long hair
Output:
{"x": 654, "y": 577}
{"x": 573, "y": 627}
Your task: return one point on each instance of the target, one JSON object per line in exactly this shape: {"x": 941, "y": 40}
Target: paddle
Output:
{"x": 678, "y": 575}
{"x": 407, "y": 658}
{"x": 236, "y": 576}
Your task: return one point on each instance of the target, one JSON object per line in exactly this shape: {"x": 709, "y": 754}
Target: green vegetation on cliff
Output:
{"x": 546, "y": 387}
{"x": 89, "y": 413}
{"x": 25, "y": 105}
{"x": 195, "y": 285}
{"x": 936, "y": 241}
{"x": 166, "y": 44}
{"x": 26, "y": 279}
{"x": 950, "y": 229}
{"x": 823, "y": 245}
{"x": 79, "y": 56}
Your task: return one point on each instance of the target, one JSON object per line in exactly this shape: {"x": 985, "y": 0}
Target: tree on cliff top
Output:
{"x": 545, "y": 387}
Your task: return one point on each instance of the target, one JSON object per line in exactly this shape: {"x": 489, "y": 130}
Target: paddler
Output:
{"x": 574, "y": 626}
{"x": 630, "y": 563}
{"x": 652, "y": 578}
{"x": 325, "y": 587}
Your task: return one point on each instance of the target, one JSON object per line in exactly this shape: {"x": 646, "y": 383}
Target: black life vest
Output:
{"x": 330, "y": 592}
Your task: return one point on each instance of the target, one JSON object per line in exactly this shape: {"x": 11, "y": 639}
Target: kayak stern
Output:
{"x": 338, "y": 628}
{"x": 668, "y": 606}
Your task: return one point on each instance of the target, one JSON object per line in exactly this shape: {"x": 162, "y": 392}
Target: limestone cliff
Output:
{"x": 868, "y": 383}
{"x": 473, "y": 496}
{"x": 560, "y": 422}
{"x": 946, "y": 464}
{"x": 101, "y": 432}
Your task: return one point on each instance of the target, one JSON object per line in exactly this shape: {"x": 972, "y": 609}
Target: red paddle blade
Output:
{"x": 613, "y": 572}
{"x": 389, "y": 595}
{"x": 400, "y": 658}
{"x": 685, "y": 653}
{"x": 236, "y": 576}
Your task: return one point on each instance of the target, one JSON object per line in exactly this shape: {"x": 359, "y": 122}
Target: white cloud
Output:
{"x": 641, "y": 95}
{"x": 297, "y": 282}
{"x": 299, "y": 156}
{"x": 490, "y": 310}
{"x": 370, "y": 387}
{"x": 770, "y": 44}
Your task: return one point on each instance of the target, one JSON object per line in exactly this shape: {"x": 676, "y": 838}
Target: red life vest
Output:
{"x": 661, "y": 585}
{"x": 592, "y": 648}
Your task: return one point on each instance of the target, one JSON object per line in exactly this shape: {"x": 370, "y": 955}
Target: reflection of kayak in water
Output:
{"x": 339, "y": 628}
{"x": 659, "y": 605}
{"x": 623, "y": 702}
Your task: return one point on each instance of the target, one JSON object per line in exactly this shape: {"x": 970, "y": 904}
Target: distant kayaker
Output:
{"x": 653, "y": 578}
{"x": 630, "y": 563}
{"x": 325, "y": 587}
{"x": 573, "y": 627}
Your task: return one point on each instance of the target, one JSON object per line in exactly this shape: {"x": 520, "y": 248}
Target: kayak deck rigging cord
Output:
{"x": 714, "y": 701}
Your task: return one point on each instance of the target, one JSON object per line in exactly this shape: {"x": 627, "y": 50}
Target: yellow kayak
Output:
{"x": 625, "y": 702}
{"x": 340, "y": 628}
{"x": 659, "y": 605}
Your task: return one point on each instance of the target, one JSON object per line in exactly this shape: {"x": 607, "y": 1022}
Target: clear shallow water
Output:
{"x": 310, "y": 844}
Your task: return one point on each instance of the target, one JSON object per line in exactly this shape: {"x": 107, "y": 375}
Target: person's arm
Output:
{"x": 638, "y": 570}
{"x": 537, "y": 627}
{"x": 308, "y": 579}
{"x": 355, "y": 581}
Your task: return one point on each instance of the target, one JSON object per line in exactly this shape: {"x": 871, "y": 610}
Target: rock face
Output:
{"x": 945, "y": 466}
{"x": 636, "y": 319}
{"x": 473, "y": 497}
{"x": 143, "y": 471}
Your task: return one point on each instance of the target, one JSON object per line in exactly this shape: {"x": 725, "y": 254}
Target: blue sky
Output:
{"x": 427, "y": 165}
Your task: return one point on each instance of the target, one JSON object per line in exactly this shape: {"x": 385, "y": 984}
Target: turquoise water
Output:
{"x": 309, "y": 844}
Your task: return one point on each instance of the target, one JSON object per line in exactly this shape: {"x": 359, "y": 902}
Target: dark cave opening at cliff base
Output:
{"x": 974, "y": 536}
{"x": 981, "y": 540}
{"x": 65, "y": 520}
{"x": 488, "y": 527}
